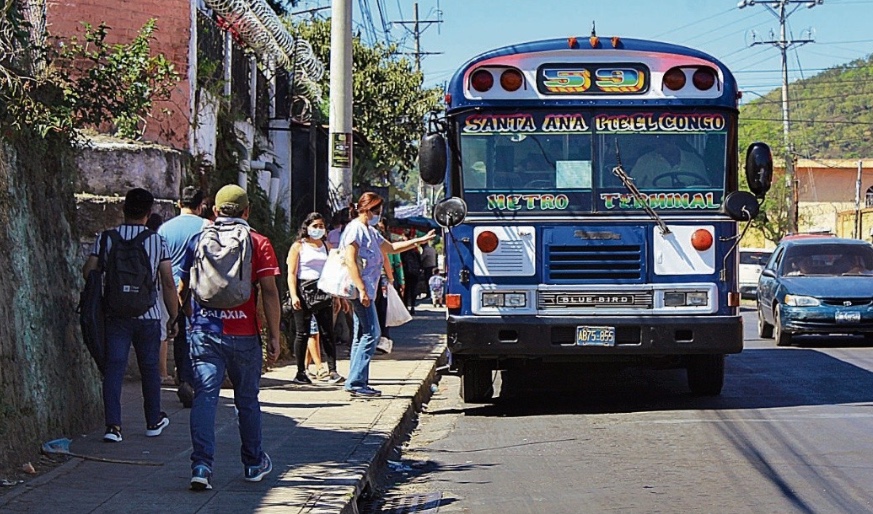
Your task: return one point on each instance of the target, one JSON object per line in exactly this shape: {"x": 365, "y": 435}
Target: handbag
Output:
{"x": 91, "y": 317}
{"x": 313, "y": 298}
{"x": 396, "y": 313}
{"x": 335, "y": 278}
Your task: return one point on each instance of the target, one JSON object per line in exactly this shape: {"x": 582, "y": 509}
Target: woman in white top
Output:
{"x": 305, "y": 261}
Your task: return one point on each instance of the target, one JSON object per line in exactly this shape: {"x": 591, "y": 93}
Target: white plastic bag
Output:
{"x": 335, "y": 278}
{"x": 396, "y": 313}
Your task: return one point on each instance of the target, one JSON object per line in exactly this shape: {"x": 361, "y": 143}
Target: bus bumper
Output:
{"x": 554, "y": 338}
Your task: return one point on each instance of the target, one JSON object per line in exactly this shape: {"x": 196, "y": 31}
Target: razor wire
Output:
{"x": 262, "y": 30}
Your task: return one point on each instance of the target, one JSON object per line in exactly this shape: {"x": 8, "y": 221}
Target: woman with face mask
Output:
{"x": 305, "y": 262}
{"x": 363, "y": 245}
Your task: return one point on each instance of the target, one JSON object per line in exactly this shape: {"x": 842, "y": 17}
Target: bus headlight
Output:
{"x": 697, "y": 298}
{"x": 515, "y": 300}
{"x": 492, "y": 299}
{"x": 511, "y": 300}
{"x": 685, "y": 299}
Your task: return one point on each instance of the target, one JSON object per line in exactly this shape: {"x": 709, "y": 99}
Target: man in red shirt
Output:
{"x": 229, "y": 340}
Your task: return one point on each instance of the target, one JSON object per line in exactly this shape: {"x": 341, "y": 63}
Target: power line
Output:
{"x": 417, "y": 31}
{"x": 780, "y": 9}
{"x": 837, "y": 122}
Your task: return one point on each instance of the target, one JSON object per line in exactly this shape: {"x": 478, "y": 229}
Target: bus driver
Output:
{"x": 668, "y": 166}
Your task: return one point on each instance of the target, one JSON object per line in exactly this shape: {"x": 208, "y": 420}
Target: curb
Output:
{"x": 368, "y": 480}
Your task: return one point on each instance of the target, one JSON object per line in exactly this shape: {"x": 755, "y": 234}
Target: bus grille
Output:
{"x": 619, "y": 262}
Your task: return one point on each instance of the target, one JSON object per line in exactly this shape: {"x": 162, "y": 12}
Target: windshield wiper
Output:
{"x": 628, "y": 183}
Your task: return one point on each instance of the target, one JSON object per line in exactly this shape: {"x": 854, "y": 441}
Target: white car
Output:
{"x": 752, "y": 261}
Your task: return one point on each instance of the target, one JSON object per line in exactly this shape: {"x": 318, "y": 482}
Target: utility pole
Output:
{"x": 780, "y": 9}
{"x": 417, "y": 31}
{"x": 858, "y": 224}
{"x": 340, "y": 123}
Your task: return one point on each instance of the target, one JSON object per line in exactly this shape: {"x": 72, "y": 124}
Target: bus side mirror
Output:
{"x": 432, "y": 158}
{"x": 740, "y": 206}
{"x": 759, "y": 168}
{"x": 450, "y": 212}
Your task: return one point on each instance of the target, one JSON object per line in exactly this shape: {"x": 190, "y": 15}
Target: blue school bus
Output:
{"x": 592, "y": 208}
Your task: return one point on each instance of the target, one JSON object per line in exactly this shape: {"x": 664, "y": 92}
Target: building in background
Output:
{"x": 235, "y": 49}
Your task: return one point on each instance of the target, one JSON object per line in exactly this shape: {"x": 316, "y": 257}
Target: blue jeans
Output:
{"x": 146, "y": 338}
{"x": 367, "y": 334}
{"x": 212, "y": 355}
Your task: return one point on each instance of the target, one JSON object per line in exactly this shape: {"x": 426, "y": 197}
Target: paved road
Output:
{"x": 792, "y": 432}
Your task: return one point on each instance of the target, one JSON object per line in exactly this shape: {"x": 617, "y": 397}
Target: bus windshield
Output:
{"x": 570, "y": 157}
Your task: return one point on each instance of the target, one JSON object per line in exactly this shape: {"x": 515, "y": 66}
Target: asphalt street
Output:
{"x": 790, "y": 433}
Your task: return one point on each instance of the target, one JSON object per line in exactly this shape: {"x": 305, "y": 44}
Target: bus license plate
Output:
{"x": 848, "y": 317}
{"x": 595, "y": 336}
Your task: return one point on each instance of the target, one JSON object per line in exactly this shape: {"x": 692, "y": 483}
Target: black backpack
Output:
{"x": 129, "y": 285}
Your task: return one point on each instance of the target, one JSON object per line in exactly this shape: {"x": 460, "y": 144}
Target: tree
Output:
{"x": 282, "y": 7}
{"x": 388, "y": 100}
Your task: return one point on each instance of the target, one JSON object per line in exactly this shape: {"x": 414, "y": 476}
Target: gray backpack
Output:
{"x": 221, "y": 277}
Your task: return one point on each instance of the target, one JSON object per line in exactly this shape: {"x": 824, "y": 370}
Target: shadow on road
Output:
{"x": 755, "y": 379}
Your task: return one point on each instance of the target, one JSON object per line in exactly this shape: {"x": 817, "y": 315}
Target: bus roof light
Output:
{"x": 703, "y": 79}
{"x": 511, "y": 79}
{"x": 674, "y": 79}
{"x": 487, "y": 241}
{"x": 595, "y": 41}
{"x": 701, "y": 240}
{"x": 571, "y": 42}
{"x": 482, "y": 80}
{"x": 616, "y": 41}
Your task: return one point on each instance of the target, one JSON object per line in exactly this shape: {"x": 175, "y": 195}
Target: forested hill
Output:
{"x": 831, "y": 114}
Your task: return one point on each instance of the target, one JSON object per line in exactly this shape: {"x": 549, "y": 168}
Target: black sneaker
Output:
{"x": 201, "y": 478}
{"x": 185, "y": 394}
{"x": 156, "y": 429}
{"x": 301, "y": 378}
{"x": 256, "y": 473}
{"x": 112, "y": 434}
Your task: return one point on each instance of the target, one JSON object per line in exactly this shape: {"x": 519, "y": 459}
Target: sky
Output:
{"x": 841, "y": 30}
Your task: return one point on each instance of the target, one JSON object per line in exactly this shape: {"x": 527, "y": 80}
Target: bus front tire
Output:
{"x": 477, "y": 384}
{"x": 705, "y": 374}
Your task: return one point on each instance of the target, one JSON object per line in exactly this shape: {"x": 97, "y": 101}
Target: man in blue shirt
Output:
{"x": 178, "y": 233}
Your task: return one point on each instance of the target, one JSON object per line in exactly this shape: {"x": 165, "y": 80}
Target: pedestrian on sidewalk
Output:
{"x": 412, "y": 273}
{"x": 179, "y": 232}
{"x": 137, "y": 275}
{"x": 436, "y": 285}
{"x": 385, "y": 281}
{"x": 227, "y": 339}
{"x": 154, "y": 223}
{"x": 362, "y": 245}
{"x": 428, "y": 263}
{"x": 313, "y": 328}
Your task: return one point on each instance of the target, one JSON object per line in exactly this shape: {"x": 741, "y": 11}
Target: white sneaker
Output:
{"x": 155, "y": 430}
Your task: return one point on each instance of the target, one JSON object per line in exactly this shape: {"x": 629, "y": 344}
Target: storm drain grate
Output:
{"x": 420, "y": 503}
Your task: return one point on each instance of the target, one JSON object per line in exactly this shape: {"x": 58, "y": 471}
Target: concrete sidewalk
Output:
{"x": 325, "y": 446}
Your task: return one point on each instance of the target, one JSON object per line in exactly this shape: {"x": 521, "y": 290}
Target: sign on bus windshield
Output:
{"x": 548, "y": 162}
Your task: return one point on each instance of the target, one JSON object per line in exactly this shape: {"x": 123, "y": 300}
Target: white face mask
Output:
{"x": 315, "y": 233}
{"x": 374, "y": 220}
